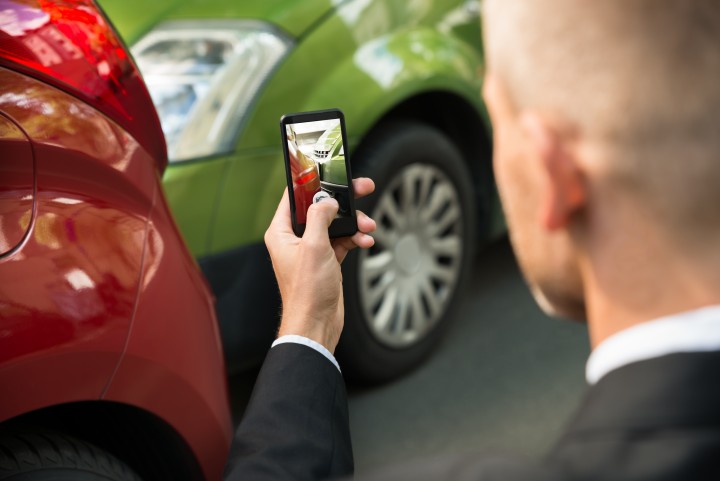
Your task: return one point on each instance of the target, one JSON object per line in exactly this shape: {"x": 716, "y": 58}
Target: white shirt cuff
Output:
{"x": 292, "y": 338}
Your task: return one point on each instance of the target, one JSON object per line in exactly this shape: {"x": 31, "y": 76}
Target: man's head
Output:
{"x": 606, "y": 117}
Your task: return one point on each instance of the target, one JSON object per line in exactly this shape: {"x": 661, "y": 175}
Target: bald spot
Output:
{"x": 639, "y": 79}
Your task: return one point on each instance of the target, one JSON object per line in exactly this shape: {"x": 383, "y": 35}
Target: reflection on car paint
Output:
{"x": 17, "y": 185}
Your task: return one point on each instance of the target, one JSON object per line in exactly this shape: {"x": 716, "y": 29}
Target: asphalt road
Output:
{"x": 505, "y": 378}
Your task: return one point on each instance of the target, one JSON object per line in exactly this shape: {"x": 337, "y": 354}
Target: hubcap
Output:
{"x": 407, "y": 254}
{"x": 407, "y": 278}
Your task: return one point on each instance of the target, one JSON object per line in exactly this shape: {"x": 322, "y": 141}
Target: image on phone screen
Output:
{"x": 317, "y": 165}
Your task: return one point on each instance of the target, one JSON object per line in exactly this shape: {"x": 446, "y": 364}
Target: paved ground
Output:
{"x": 506, "y": 378}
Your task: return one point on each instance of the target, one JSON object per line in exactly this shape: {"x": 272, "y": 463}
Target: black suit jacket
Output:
{"x": 652, "y": 420}
{"x": 296, "y": 425}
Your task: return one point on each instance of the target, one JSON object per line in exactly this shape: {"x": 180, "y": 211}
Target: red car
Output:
{"x": 110, "y": 357}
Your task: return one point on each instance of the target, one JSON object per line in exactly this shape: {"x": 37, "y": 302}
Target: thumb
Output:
{"x": 319, "y": 218}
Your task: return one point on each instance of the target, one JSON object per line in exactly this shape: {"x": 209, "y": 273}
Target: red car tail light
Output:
{"x": 71, "y": 45}
{"x": 307, "y": 176}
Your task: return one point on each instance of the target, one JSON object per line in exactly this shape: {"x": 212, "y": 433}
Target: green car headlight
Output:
{"x": 203, "y": 75}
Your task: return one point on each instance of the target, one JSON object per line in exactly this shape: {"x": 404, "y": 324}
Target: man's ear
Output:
{"x": 562, "y": 188}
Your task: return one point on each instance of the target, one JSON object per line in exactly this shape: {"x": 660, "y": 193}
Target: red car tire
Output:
{"x": 30, "y": 455}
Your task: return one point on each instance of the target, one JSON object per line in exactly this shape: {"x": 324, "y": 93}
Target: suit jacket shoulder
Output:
{"x": 652, "y": 420}
{"x": 656, "y": 419}
{"x": 296, "y": 424}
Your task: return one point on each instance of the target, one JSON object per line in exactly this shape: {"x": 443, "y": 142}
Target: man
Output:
{"x": 606, "y": 120}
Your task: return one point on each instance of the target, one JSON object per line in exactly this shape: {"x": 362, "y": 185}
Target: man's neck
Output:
{"x": 625, "y": 285}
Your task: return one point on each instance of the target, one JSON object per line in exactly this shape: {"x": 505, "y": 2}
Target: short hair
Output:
{"x": 641, "y": 78}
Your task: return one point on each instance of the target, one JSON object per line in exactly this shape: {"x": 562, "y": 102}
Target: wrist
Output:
{"x": 310, "y": 330}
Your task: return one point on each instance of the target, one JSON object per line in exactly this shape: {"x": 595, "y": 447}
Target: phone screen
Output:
{"x": 317, "y": 165}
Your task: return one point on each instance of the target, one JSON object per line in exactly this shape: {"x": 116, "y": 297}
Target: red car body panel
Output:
{"x": 99, "y": 298}
{"x": 69, "y": 291}
{"x": 185, "y": 382}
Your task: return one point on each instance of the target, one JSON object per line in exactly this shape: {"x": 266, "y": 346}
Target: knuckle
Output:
{"x": 312, "y": 244}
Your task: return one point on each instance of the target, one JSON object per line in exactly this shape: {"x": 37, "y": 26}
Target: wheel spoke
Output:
{"x": 376, "y": 292}
{"x": 407, "y": 194}
{"x": 388, "y": 207}
{"x": 387, "y": 307}
{"x": 446, "y": 246}
{"x": 443, "y": 273}
{"x": 449, "y": 217}
{"x": 418, "y": 317}
{"x": 402, "y": 311}
{"x": 430, "y": 296}
{"x": 377, "y": 264}
{"x": 425, "y": 181}
{"x": 438, "y": 197}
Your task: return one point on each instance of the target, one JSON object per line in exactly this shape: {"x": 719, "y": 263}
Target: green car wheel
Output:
{"x": 401, "y": 293}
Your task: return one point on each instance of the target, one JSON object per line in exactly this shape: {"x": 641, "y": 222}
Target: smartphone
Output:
{"x": 317, "y": 166}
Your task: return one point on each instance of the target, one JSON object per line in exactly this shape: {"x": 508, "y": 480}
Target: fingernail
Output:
{"x": 330, "y": 199}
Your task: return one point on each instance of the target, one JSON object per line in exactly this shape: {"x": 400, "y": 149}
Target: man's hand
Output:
{"x": 308, "y": 268}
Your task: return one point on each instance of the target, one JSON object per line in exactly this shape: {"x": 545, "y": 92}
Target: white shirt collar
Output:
{"x": 692, "y": 331}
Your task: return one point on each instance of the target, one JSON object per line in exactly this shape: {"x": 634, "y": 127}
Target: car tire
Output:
{"x": 36, "y": 455}
{"x": 430, "y": 230}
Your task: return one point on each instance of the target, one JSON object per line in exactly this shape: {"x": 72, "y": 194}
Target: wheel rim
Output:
{"x": 408, "y": 277}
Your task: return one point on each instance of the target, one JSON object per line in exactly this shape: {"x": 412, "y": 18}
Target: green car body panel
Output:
{"x": 333, "y": 169}
{"x": 134, "y": 18}
{"x": 374, "y": 55}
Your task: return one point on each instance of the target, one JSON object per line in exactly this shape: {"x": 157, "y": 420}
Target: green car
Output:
{"x": 330, "y": 157}
{"x": 405, "y": 73}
